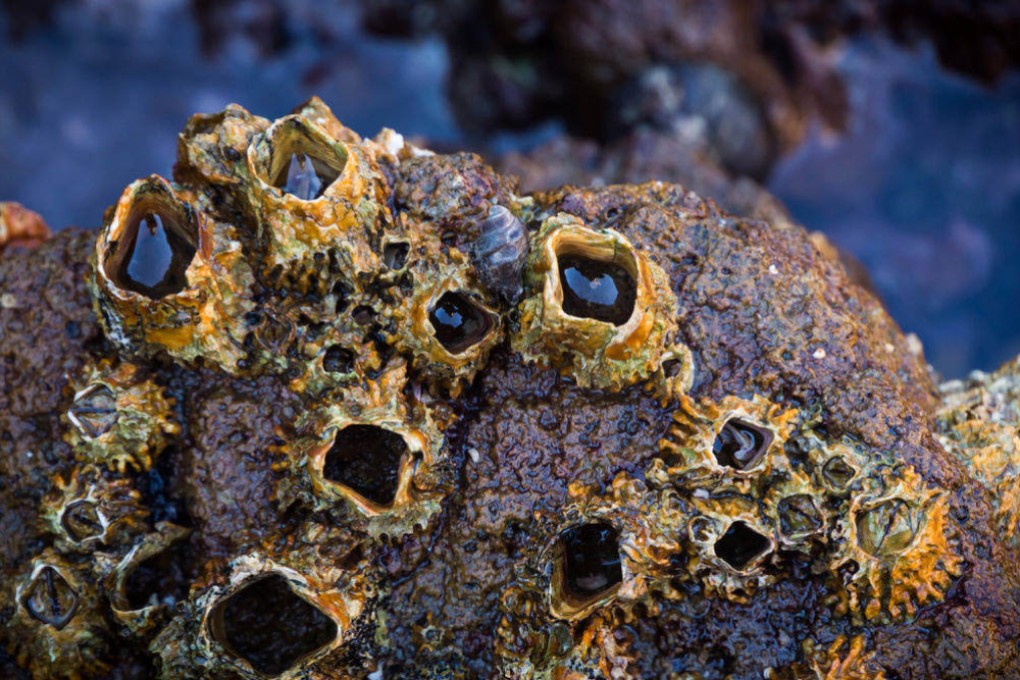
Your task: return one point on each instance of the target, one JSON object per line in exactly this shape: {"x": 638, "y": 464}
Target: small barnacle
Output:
{"x": 166, "y": 277}
{"x": 600, "y": 310}
{"x": 211, "y": 148}
{"x": 446, "y": 327}
{"x": 734, "y": 442}
{"x": 20, "y": 226}
{"x": 57, "y": 628}
{"x": 89, "y": 509}
{"x": 289, "y": 616}
{"x": 312, "y": 189}
{"x": 119, "y": 417}
{"x": 500, "y": 253}
{"x": 899, "y": 534}
{"x": 145, "y": 584}
{"x": 374, "y": 452}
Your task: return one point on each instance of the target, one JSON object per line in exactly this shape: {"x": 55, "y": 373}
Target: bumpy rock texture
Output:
{"x": 301, "y": 413}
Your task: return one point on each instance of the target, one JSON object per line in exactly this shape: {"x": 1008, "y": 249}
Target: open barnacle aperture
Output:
{"x": 369, "y": 460}
{"x": 586, "y": 569}
{"x": 599, "y": 310}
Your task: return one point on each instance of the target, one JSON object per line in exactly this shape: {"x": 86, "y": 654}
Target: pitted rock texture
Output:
{"x": 558, "y": 496}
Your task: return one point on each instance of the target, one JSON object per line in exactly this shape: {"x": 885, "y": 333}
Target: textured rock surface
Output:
{"x": 778, "y": 481}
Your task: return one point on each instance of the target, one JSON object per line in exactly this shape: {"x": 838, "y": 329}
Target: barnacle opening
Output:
{"x": 741, "y": 445}
{"x": 161, "y": 578}
{"x": 338, "y": 359}
{"x": 395, "y": 254}
{"x": 798, "y": 516}
{"x": 81, "y": 521}
{"x": 595, "y": 286}
{"x": 887, "y": 528}
{"x": 94, "y": 410}
{"x": 367, "y": 459}
{"x": 458, "y": 323}
{"x": 838, "y": 473}
{"x": 741, "y": 546}
{"x": 303, "y": 161}
{"x": 268, "y": 625}
{"x": 50, "y": 599}
{"x": 156, "y": 244}
{"x": 587, "y": 568}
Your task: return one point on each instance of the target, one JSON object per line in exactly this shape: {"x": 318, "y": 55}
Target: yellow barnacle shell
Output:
{"x": 119, "y": 417}
{"x": 597, "y": 352}
{"x": 89, "y": 509}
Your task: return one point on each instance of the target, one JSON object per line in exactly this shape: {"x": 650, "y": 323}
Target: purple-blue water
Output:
{"x": 924, "y": 188}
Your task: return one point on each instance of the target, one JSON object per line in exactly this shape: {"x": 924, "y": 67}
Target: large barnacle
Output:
{"x": 599, "y": 309}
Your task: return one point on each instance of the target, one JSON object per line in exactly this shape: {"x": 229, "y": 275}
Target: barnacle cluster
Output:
{"x": 325, "y": 406}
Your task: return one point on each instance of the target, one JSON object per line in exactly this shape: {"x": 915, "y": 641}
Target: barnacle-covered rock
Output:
{"x": 119, "y": 417}
{"x": 272, "y": 433}
{"x": 600, "y": 309}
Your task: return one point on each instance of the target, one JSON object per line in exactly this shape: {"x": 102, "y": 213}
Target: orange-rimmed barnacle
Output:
{"x": 20, "y": 226}
{"x": 446, "y": 326}
{"x": 735, "y": 442}
{"x": 315, "y": 197}
{"x": 166, "y": 278}
{"x": 211, "y": 150}
{"x": 89, "y": 509}
{"x": 288, "y": 617}
{"x": 375, "y": 452}
{"x": 119, "y": 417}
{"x": 896, "y": 549}
{"x": 145, "y": 584}
{"x": 57, "y": 629}
{"x": 796, "y": 508}
{"x": 599, "y": 310}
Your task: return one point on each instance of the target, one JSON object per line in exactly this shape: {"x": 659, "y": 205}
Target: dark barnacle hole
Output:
{"x": 338, "y": 359}
{"x": 268, "y": 625}
{"x": 798, "y": 516}
{"x": 50, "y": 599}
{"x": 395, "y": 254}
{"x": 81, "y": 521}
{"x": 741, "y": 545}
{"x": 500, "y": 252}
{"x": 161, "y": 578}
{"x": 740, "y": 445}
{"x": 363, "y": 315}
{"x": 837, "y": 472}
{"x": 458, "y": 322}
{"x": 153, "y": 253}
{"x": 305, "y": 176}
{"x": 366, "y": 459}
{"x": 94, "y": 411}
{"x": 596, "y": 289}
{"x": 591, "y": 560}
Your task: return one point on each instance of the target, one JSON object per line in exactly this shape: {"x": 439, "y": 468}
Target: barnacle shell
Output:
{"x": 88, "y": 509}
{"x": 198, "y": 310}
{"x": 295, "y": 233}
{"x": 20, "y": 226}
{"x": 595, "y": 352}
{"x": 119, "y": 417}
{"x": 57, "y": 629}
{"x": 448, "y": 363}
{"x": 200, "y": 641}
{"x": 394, "y": 485}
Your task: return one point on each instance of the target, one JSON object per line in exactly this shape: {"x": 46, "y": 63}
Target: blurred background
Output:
{"x": 892, "y": 127}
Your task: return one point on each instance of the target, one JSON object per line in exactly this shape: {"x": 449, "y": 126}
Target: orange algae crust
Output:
{"x": 322, "y": 406}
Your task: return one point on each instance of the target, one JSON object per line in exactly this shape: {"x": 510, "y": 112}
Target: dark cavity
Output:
{"x": 366, "y": 459}
{"x": 594, "y": 289}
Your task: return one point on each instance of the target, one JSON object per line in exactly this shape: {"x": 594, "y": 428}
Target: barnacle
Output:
{"x": 361, "y": 409}
{"x": 57, "y": 628}
{"x": 375, "y": 452}
{"x": 167, "y": 277}
{"x": 119, "y": 417}
{"x": 285, "y": 617}
{"x": 89, "y": 510}
{"x": 599, "y": 309}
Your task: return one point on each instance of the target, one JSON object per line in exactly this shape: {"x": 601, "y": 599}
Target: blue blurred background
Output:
{"x": 923, "y": 187}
